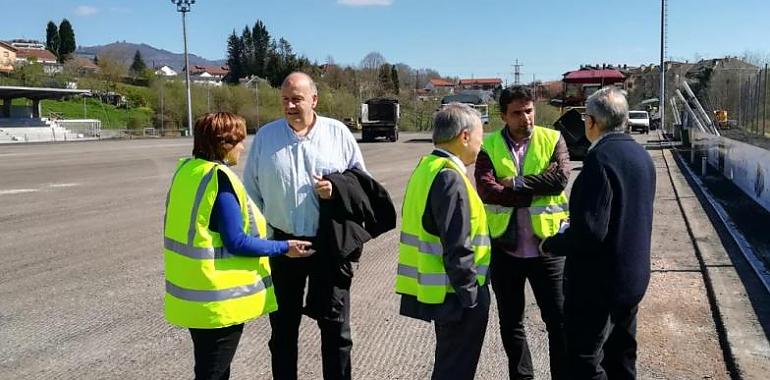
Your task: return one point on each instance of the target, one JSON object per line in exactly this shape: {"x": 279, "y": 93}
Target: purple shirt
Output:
{"x": 527, "y": 242}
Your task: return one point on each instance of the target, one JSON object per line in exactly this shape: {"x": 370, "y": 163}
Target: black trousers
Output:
{"x": 328, "y": 302}
{"x": 601, "y": 339}
{"x": 459, "y": 343}
{"x": 214, "y": 350}
{"x": 545, "y": 275}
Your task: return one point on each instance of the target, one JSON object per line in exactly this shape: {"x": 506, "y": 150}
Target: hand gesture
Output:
{"x": 507, "y": 182}
{"x": 322, "y": 187}
{"x": 299, "y": 248}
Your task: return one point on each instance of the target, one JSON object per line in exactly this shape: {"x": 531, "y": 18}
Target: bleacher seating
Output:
{"x": 33, "y": 130}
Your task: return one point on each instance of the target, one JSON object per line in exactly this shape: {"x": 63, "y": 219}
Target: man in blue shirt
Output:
{"x": 283, "y": 175}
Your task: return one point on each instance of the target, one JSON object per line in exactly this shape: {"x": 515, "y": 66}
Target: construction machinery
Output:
{"x": 720, "y": 119}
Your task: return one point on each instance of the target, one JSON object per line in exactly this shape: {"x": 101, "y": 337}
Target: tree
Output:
{"x": 111, "y": 69}
{"x": 235, "y": 58}
{"x": 384, "y": 79}
{"x": 52, "y": 38}
{"x": 29, "y": 74}
{"x": 138, "y": 66}
{"x": 66, "y": 40}
{"x": 394, "y": 79}
{"x": 368, "y": 80}
{"x": 247, "y": 61}
{"x": 261, "y": 38}
{"x": 372, "y": 61}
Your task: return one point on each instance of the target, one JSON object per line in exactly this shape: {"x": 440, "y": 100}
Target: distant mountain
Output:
{"x": 125, "y": 51}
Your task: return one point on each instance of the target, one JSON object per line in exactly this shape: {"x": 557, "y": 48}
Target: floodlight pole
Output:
{"x": 183, "y": 6}
{"x": 662, "y": 71}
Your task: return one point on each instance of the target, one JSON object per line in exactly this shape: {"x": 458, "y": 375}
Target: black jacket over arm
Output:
{"x": 608, "y": 242}
{"x": 360, "y": 210}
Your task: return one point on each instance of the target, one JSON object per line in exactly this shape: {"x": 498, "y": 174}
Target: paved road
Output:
{"x": 81, "y": 277}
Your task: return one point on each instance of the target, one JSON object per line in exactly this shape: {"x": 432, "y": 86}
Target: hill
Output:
{"x": 125, "y": 51}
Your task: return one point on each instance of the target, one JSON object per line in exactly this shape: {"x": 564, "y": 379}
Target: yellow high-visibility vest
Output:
{"x": 207, "y": 286}
{"x": 547, "y": 211}
{"x": 421, "y": 271}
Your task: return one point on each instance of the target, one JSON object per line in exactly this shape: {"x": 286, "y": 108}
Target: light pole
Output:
{"x": 662, "y": 71}
{"x": 183, "y": 6}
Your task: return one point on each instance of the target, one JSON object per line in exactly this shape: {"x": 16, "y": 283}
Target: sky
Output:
{"x": 467, "y": 39}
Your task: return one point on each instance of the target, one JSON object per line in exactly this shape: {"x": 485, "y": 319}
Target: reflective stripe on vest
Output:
{"x": 433, "y": 278}
{"x": 421, "y": 270}
{"x": 436, "y": 248}
{"x": 207, "y": 286}
{"x": 546, "y": 212}
{"x": 218, "y": 295}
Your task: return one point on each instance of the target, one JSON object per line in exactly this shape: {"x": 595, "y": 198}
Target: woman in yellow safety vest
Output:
{"x": 215, "y": 252}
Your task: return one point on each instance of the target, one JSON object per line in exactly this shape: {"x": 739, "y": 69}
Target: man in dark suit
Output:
{"x": 444, "y": 252}
{"x": 607, "y": 244}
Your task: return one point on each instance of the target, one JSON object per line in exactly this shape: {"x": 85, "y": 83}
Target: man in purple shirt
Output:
{"x": 515, "y": 255}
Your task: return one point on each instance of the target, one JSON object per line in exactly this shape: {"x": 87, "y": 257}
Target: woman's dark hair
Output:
{"x": 514, "y": 93}
{"x": 216, "y": 133}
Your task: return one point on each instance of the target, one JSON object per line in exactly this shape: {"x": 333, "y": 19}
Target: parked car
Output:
{"x": 639, "y": 121}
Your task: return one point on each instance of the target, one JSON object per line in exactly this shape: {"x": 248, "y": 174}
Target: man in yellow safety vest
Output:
{"x": 521, "y": 174}
{"x": 444, "y": 252}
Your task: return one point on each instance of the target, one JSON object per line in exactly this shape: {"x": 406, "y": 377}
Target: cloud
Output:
{"x": 365, "y": 3}
{"x": 85, "y": 10}
{"x": 120, "y": 10}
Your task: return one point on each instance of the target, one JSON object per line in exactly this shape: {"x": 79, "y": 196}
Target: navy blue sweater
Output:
{"x": 227, "y": 220}
{"x": 608, "y": 241}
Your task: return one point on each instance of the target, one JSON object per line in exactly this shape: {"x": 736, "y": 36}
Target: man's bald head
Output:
{"x": 299, "y": 97}
{"x": 300, "y": 79}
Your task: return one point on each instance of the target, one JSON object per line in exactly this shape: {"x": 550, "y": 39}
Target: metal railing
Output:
{"x": 82, "y": 128}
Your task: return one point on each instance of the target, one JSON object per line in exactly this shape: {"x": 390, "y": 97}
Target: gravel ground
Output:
{"x": 81, "y": 278}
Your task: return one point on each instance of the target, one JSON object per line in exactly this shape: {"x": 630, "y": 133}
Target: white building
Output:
{"x": 166, "y": 71}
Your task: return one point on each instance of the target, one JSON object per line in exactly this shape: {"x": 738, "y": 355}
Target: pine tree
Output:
{"x": 248, "y": 52}
{"x": 138, "y": 66}
{"x": 273, "y": 65}
{"x": 66, "y": 40}
{"x": 385, "y": 83}
{"x": 394, "y": 79}
{"x": 52, "y": 38}
{"x": 234, "y": 58}
{"x": 261, "y": 39}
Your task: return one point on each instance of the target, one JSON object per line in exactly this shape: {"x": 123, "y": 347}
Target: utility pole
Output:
{"x": 764, "y": 104}
{"x": 162, "y": 106}
{"x": 662, "y": 96}
{"x": 517, "y": 73}
{"x": 416, "y": 86}
{"x": 256, "y": 94}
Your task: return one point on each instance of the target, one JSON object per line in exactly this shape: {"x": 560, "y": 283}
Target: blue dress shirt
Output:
{"x": 279, "y": 170}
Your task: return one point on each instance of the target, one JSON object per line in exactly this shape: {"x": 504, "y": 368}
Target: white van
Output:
{"x": 639, "y": 121}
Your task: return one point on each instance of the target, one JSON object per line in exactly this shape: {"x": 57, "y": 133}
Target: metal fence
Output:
{"x": 752, "y": 111}
{"x": 83, "y": 128}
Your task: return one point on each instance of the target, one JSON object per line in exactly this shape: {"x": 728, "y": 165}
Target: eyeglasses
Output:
{"x": 585, "y": 116}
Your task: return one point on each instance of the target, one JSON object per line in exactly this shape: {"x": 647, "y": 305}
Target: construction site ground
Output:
{"x": 81, "y": 278}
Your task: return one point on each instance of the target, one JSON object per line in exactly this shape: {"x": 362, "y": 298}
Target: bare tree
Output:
{"x": 369, "y": 81}
{"x": 111, "y": 70}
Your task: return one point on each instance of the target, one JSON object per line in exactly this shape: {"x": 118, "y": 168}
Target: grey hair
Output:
{"x": 451, "y": 120}
{"x": 610, "y": 109}
{"x": 313, "y": 87}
